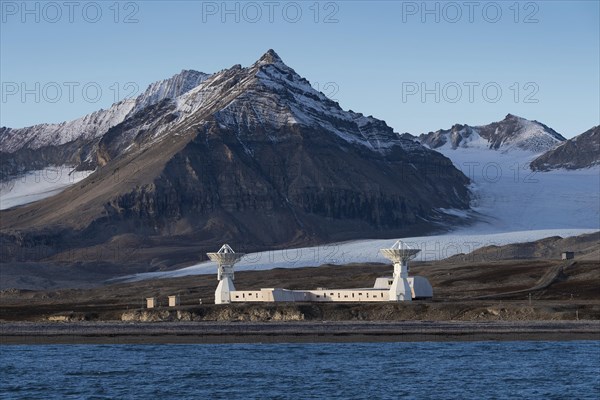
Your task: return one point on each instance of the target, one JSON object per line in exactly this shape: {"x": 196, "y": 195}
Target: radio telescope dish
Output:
{"x": 400, "y": 252}
{"x": 225, "y": 256}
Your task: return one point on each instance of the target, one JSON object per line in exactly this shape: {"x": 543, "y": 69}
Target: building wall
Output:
{"x": 349, "y": 295}
{"x": 420, "y": 288}
{"x": 326, "y": 295}
{"x": 248, "y": 295}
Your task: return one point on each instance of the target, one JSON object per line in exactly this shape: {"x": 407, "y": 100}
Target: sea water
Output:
{"x": 425, "y": 370}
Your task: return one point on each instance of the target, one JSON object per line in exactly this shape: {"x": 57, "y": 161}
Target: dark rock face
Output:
{"x": 454, "y": 135}
{"x": 582, "y": 151}
{"x": 134, "y": 131}
{"x": 296, "y": 186}
{"x": 253, "y": 156}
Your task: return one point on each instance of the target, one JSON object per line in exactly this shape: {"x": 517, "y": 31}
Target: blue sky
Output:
{"x": 418, "y": 66}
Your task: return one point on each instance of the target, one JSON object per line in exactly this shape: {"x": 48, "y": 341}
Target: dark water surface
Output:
{"x": 426, "y": 370}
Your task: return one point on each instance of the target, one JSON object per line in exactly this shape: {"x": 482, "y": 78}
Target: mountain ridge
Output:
{"x": 511, "y": 133}
{"x": 74, "y": 142}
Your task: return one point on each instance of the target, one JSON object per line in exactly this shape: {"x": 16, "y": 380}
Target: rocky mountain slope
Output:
{"x": 511, "y": 133}
{"x": 582, "y": 151}
{"x": 253, "y": 156}
{"x": 585, "y": 247}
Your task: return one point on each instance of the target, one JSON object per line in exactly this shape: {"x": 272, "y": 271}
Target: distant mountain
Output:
{"x": 582, "y": 151}
{"x": 511, "y": 133}
{"x": 74, "y": 142}
{"x": 252, "y": 156}
{"x": 506, "y": 194}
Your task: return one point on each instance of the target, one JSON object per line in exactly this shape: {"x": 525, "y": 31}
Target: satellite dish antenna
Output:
{"x": 225, "y": 258}
{"x": 399, "y": 254}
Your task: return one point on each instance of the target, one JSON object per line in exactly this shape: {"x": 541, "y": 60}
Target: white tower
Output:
{"x": 399, "y": 254}
{"x": 226, "y": 259}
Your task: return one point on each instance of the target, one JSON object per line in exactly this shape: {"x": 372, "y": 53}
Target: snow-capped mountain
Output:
{"x": 582, "y": 151}
{"x": 266, "y": 94}
{"x": 254, "y": 156}
{"x": 71, "y": 143}
{"x": 270, "y": 93}
{"x": 97, "y": 123}
{"x": 93, "y": 139}
{"x": 511, "y": 133}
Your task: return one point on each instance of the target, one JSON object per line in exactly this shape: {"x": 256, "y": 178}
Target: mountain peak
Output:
{"x": 270, "y": 57}
{"x": 512, "y": 132}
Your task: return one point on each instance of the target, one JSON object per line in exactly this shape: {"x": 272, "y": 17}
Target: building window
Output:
{"x": 318, "y": 297}
{"x": 237, "y": 297}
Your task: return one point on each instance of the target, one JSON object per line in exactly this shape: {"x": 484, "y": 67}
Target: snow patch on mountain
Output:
{"x": 465, "y": 137}
{"x": 532, "y": 136}
{"x": 37, "y": 185}
{"x": 170, "y": 88}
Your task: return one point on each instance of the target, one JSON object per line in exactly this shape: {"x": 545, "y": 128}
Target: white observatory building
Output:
{"x": 399, "y": 287}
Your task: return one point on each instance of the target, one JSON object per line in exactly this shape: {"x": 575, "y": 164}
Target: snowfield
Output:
{"x": 37, "y": 185}
{"x": 432, "y": 248}
{"x": 510, "y": 197}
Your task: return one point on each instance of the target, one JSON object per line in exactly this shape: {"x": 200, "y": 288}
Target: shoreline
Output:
{"x": 29, "y": 333}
